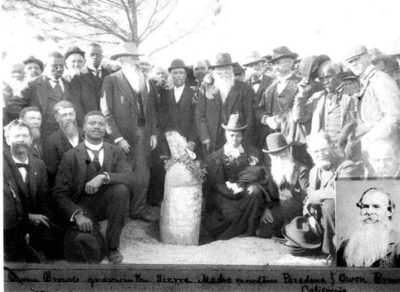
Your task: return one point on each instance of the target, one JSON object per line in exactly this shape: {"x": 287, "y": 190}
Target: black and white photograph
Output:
{"x": 192, "y": 136}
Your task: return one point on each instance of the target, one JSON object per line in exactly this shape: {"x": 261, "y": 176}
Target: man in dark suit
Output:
{"x": 33, "y": 118}
{"x": 259, "y": 82}
{"x": 28, "y": 216}
{"x": 44, "y": 92}
{"x": 65, "y": 138}
{"x": 91, "y": 78}
{"x": 219, "y": 99}
{"x": 132, "y": 123}
{"x": 92, "y": 184}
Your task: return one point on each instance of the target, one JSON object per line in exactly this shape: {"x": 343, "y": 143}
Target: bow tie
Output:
{"x": 256, "y": 82}
{"x": 24, "y": 165}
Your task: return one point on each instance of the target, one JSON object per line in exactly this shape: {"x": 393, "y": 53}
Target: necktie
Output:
{"x": 96, "y": 161}
{"x": 256, "y": 82}
{"x": 24, "y": 165}
{"x": 57, "y": 88}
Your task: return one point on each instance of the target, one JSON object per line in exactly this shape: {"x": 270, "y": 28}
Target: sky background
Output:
{"x": 306, "y": 27}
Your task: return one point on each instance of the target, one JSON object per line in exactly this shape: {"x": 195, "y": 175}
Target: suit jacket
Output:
{"x": 313, "y": 109}
{"x": 212, "y": 113}
{"x": 33, "y": 194}
{"x": 37, "y": 148}
{"x": 90, "y": 89}
{"x": 71, "y": 177}
{"x": 54, "y": 148}
{"x": 267, "y": 105}
{"x": 119, "y": 104}
{"x": 37, "y": 93}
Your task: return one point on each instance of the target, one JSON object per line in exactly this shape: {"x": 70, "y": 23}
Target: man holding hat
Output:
{"x": 223, "y": 96}
{"x": 237, "y": 184}
{"x": 74, "y": 61}
{"x": 378, "y": 101}
{"x": 131, "y": 122}
{"x": 288, "y": 187}
{"x": 33, "y": 68}
{"x": 259, "y": 82}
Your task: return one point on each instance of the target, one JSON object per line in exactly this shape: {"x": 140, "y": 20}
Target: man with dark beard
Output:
{"x": 131, "y": 119}
{"x": 222, "y": 97}
{"x": 65, "y": 138}
{"x": 322, "y": 190}
{"x": 374, "y": 243}
{"x": 288, "y": 187}
{"x": 33, "y": 118}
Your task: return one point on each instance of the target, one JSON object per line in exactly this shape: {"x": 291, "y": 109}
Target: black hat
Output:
{"x": 73, "y": 50}
{"x": 275, "y": 142}
{"x": 223, "y": 59}
{"x": 177, "y": 63}
{"x": 300, "y": 232}
{"x": 282, "y": 52}
{"x": 32, "y": 59}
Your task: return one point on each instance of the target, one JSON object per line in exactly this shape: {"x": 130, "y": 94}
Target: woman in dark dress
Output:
{"x": 236, "y": 188}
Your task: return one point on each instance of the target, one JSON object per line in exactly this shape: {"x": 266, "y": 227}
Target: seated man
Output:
{"x": 92, "y": 184}
{"x": 235, "y": 192}
{"x": 375, "y": 243}
{"x": 288, "y": 185}
{"x": 383, "y": 159}
{"x": 321, "y": 192}
{"x": 28, "y": 217}
{"x": 65, "y": 138}
{"x": 33, "y": 118}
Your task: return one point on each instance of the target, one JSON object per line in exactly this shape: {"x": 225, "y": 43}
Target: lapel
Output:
{"x": 366, "y": 82}
{"x": 125, "y": 87}
{"x": 145, "y": 94}
{"x": 32, "y": 180}
{"x": 269, "y": 97}
{"x": 67, "y": 89}
{"x": 321, "y": 111}
{"x": 344, "y": 105}
{"x": 81, "y": 158}
{"x": 87, "y": 76}
{"x": 44, "y": 88}
{"x": 263, "y": 85}
{"x": 232, "y": 96}
{"x": 186, "y": 98}
{"x": 108, "y": 157}
{"x": 290, "y": 89}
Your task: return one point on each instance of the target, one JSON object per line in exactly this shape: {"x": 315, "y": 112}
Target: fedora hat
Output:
{"x": 282, "y": 52}
{"x": 355, "y": 52}
{"x": 125, "y": 49}
{"x": 32, "y": 59}
{"x": 234, "y": 124}
{"x": 223, "y": 59}
{"x": 300, "y": 232}
{"x": 275, "y": 142}
{"x": 252, "y": 58}
{"x": 237, "y": 69}
{"x": 73, "y": 50}
{"x": 177, "y": 63}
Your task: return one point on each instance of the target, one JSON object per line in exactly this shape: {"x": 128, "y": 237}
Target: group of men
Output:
{"x": 89, "y": 145}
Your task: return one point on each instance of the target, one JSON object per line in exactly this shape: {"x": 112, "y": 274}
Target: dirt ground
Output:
{"x": 139, "y": 245}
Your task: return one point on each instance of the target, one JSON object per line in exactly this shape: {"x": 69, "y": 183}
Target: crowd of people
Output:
{"x": 84, "y": 141}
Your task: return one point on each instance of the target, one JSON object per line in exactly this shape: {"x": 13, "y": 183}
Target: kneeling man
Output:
{"x": 93, "y": 184}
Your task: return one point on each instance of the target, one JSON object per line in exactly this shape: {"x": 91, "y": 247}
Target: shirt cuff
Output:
{"x": 72, "y": 219}
{"x": 118, "y": 139}
{"x": 107, "y": 181}
{"x": 264, "y": 119}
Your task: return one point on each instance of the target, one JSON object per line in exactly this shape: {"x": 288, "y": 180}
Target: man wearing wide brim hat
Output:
{"x": 379, "y": 100}
{"x": 288, "y": 187}
{"x": 220, "y": 98}
{"x": 74, "y": 61}
{"x": 237, "y": 183}
{"x": 131, "y": 119}
{"x": 282, "y": 53}
{"x": 33, "y": 67}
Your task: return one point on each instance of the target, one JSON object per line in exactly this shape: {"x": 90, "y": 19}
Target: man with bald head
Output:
{"x": 44, "y": 92}
{"x": 329, "y": 109}
{"x": 378, "y": 101}
{"x": 374, "y": 243}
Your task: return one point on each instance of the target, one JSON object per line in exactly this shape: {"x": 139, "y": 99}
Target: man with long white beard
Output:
{"x": 68, "y": 136}
{"x": 220, "y": 98}
{"x": 33, "y": 118}
{"x": 374, "y": 243}
{"x": 288, "y": 187}
{"x": 322, "y": 190}
{"x": 131, "y": 119}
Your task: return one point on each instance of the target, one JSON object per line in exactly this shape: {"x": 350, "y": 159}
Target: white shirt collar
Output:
{"x": 19, "y": 161}
{"x": 231, "y": 151}
{"x": 92, "y": 146}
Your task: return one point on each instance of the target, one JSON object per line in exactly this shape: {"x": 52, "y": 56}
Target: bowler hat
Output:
{"x": 234, "y": 123}
{"x": 252, "y": 58}
{"x": 125, "y": 49}
{"x": 177, "y": 63}
{"x": 275, "y": 142}
{"x": 282, "y": 52}
{"x": 223, "y": 59}
{"x": 300, "y": 232}
{"x": 73, "y": 50}
{"x": 355, "y": 52}
{"x": 32, "y": 59}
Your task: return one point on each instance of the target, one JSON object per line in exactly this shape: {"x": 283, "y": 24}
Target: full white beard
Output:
{"x": 135, "y": 78}
{"x": 368, "y": 244}
{"x": 224, "y": 84}
{"x": 282, "y": 170}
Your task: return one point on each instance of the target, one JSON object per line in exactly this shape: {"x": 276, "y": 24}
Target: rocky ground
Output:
{"x": 140, "y": 245}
